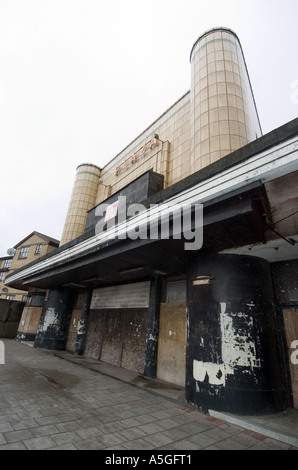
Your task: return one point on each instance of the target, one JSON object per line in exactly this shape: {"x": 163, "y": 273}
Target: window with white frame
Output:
{"x": 24, "y": 252}
{"x": 38, "y": 249}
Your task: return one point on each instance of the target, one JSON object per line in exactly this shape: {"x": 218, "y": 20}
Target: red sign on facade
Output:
{"x": 111, "y": 211}
{"x": 136, "y": 155}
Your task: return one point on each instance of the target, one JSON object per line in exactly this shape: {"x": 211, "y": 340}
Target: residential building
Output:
{"x": 28, "y": 250}
{"x": 5, "y": 293}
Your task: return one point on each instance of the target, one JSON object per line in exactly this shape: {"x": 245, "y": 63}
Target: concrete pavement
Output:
{"x": 49, "y": 402}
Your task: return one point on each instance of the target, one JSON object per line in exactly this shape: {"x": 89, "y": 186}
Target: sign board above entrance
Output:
{"x": 134, "y": 295}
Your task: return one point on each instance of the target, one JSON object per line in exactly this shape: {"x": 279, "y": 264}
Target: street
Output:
{"x": 50, "y": 403}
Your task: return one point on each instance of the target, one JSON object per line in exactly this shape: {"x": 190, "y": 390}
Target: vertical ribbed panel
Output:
{"x": 82, "y": 199}
{"x": 223, "y": 115}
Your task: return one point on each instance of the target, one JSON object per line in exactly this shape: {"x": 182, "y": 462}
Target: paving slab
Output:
{"x": 55, "y": 401}
{"x": 280, "y": 426}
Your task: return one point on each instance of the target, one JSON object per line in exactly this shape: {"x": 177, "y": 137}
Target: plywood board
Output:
{"x": 171, "y": 343}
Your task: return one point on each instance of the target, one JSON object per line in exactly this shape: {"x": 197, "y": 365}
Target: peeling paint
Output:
{"x": 51, "y": 318}
{"x": 237, "y": 348}
{"x": 211, "y": 373}
{"x": 152, "y": 337}
{"x": 81, "y": 327}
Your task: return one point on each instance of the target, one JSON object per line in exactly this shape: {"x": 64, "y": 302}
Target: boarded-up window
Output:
{"x": 176, "y": 291}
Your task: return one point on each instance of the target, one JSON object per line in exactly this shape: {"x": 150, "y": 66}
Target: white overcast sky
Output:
{"x": 80, "y": 79}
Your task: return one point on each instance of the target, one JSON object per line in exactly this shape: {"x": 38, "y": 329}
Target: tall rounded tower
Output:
{"x": 223, "y": 113}
{"x": 83, "y": 198}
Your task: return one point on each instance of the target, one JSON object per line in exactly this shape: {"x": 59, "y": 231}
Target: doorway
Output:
{"x": 172, "y": 335}
{"x": 171, "y": 343}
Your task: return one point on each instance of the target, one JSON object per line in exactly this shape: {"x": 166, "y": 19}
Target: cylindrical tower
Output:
{"x": 223, "y": 113}
{"x": 83, "y": 198}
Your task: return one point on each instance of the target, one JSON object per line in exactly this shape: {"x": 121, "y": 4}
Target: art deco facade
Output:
{"x": 217, "y": 320}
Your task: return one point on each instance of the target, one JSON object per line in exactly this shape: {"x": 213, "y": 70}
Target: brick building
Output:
{"x": 27, "y": 250}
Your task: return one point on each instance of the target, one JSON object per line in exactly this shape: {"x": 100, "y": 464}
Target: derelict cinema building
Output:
{"x": 220, "y": 319}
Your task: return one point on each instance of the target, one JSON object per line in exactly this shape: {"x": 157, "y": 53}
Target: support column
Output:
{"x": 54, "y": 322}
{"x": 152, "y": 328}
{"x": 83, "y": 322}
{"x": 233, "y": 348}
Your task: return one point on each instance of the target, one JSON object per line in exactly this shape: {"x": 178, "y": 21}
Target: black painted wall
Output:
{"x": 286, "y": 282}
{"x": 285, "y": 274}
{"x": 233, "y": 356}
